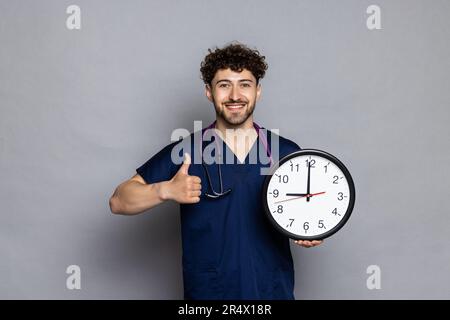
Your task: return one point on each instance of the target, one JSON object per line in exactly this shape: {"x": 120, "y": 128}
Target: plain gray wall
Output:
{"x": 81, "y": 109}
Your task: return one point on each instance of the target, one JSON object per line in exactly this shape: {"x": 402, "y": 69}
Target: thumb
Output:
{"x": 186, "y": 163}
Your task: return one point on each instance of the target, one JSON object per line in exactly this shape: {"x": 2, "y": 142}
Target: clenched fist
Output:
{"x": 184, "y": 188}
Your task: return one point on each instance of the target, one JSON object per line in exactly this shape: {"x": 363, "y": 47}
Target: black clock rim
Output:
{"x": 344, "y": 170}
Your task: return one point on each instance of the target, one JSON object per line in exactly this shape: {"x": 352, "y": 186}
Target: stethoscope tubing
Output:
{"x": 216, "y": 194}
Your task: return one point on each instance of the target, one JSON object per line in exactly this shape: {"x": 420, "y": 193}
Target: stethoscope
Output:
{"x": 221, "y": 193}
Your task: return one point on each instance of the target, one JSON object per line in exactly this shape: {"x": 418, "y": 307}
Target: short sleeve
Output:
{"x": 159, "y": 167}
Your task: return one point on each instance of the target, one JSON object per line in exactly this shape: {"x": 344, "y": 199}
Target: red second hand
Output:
{"x": 308, "y": 195}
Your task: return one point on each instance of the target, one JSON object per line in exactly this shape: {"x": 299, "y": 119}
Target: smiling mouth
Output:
{"x": 235, "y": 106}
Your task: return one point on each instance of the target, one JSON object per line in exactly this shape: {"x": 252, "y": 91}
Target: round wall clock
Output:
{"x": 309, "y": 195}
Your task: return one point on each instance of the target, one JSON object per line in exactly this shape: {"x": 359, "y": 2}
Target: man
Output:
{"x": 230, "y": 250}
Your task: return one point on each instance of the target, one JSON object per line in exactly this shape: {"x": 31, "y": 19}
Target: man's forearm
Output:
{"x": 132, "y": 197}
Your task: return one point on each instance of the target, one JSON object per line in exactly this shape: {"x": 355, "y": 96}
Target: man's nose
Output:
{"x": 234, "y": 94}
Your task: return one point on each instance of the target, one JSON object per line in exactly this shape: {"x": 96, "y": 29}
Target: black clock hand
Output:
{"x": 299, "y": 197}
{"x": 308, "y": 183}
{"x": 296, "y": 194}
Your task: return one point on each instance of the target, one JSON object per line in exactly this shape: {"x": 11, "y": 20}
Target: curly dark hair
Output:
{"x": 235, "y": 56}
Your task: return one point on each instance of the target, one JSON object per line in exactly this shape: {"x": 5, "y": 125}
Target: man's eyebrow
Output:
{"x": 227, "y": 80}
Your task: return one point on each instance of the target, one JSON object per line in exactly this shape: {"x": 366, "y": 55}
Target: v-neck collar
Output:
{"x": 234, "y": 155}
{"x": 235, "y": 158}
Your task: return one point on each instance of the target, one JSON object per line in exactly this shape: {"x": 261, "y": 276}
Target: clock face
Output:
{"x": 309, "y": 195}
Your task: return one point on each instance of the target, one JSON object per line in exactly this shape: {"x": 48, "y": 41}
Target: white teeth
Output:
{"x": 234, "y": 106}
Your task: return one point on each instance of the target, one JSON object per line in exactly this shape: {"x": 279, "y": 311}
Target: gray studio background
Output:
{"x": 82, "y": 109}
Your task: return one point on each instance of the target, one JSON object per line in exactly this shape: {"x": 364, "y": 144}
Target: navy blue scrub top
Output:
{"x": 230, "y": 249}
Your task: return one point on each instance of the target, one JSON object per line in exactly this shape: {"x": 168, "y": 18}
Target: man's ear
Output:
{"x": 208, "y": 92}
{"x": 258, "y": 91}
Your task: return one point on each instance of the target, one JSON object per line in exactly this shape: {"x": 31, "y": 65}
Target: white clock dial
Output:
{"x": 310, "y": 195}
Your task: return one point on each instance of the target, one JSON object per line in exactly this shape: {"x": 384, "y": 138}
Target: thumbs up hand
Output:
{"x": 184, "y": 188}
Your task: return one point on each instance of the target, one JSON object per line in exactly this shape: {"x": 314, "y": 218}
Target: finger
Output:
{"x": 192, "y": 185}
{"x": 196, "y": 193}
{"x": 184, "y": 169}
{"x": 196, "y": 179}
{"x": 316, "y": 242}
{"x": 307, "y": 244}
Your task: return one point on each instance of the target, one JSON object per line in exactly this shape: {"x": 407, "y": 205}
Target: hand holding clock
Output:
{"x": 308, "y": 244}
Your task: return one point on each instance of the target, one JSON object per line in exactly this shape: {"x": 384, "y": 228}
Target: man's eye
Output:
{"x": 223, "y": 85}
{"x": 246, "y": 85}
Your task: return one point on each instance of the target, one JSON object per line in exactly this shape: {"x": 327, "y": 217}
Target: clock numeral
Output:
{"x": 280, "y": 208}
{"x": 335, "y": 212}
{"x": 275, "y": 193}
{"x": 336, "y": 179}
{"x": 321, "y": 225}
{"x": 326, "y": 167}
{"x": 312, "y": 162}
{"x": 306, "y": 226}
{"x": 340, "y": 196}
{"x": 284, "y": 178}
{"x": 290, "y": 224}
{"x": 297, "y": 166}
